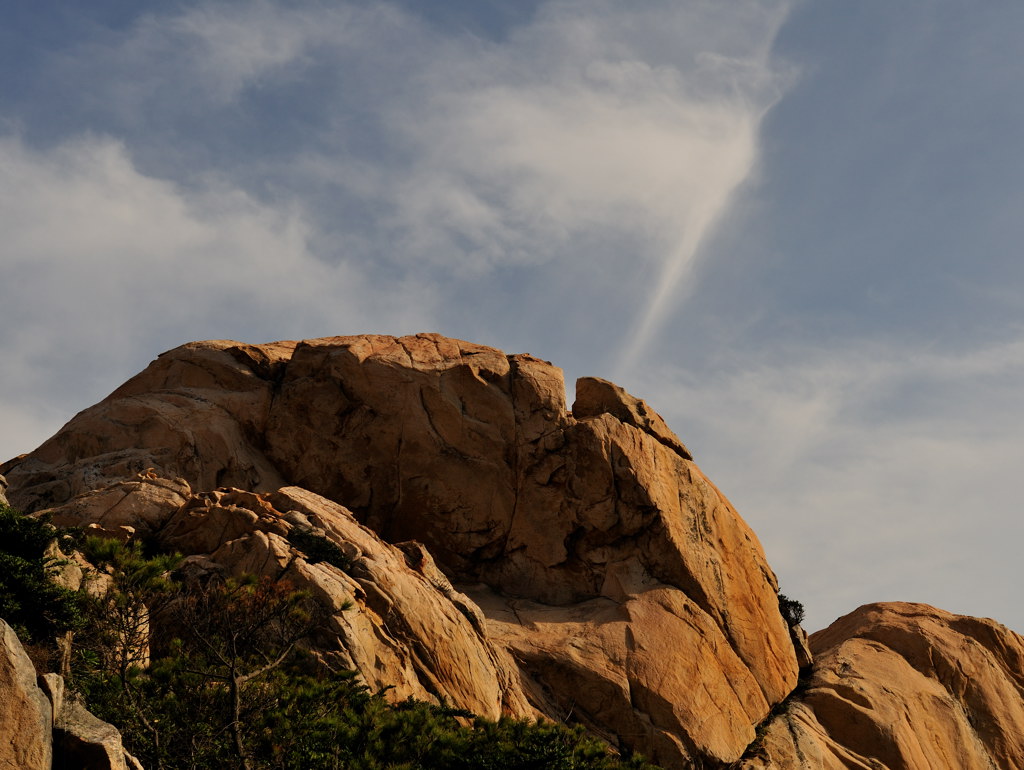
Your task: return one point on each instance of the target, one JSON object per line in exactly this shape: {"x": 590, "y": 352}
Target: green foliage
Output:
{"x": 318, "y": 548}
{"x": 215, "y": 647}
{"x": 229, "y": 686}
{"x": 132, "y": 570}
{"x": 233, "y": 689}
{"x": 334, "y": 723}
{"x": 792, "y": 610}
{"x": 116, "y": 637}
{"x": 30, "y": 601}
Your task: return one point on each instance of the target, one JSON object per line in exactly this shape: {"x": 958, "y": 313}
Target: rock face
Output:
{"x": 502, "y": 552}
{"x": 610, "y": 580}
{"x": 25, "y": 712}
{"x": 905, "y": 686}
{"x": 40, "y": 729}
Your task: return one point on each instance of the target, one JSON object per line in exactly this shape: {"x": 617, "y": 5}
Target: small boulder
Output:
{"x": 81, "y": 739}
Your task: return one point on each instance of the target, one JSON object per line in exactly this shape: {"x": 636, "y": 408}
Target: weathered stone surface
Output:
{"x": 83, "y": 740}
{"x": 26, "y": 715}
{"x": 143, "y": 503}
{"x": 41, "y": 728}
{"x": 52, "y": 686}
{"x": 905, "y": 687}
{"x": 802, "y": 645}
{"x": 194, "y": 413}
{"x": 68, "y": 571}
{"x": 595, "y": 396}
{"x": 617, "y": 668}
{"x": 597, "y": 522}
{"x": 3, "y": 489}
{"x": 407, "y": 628}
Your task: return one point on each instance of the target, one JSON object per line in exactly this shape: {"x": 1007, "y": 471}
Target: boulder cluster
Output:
{"x": 511, "y": 555}
{"x": 43, "y": 729}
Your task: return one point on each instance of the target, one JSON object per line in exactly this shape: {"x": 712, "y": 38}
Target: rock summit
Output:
{"x": 513, "y": 556}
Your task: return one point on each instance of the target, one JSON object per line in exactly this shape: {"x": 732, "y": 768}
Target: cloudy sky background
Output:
{"x": 793, "y": 228}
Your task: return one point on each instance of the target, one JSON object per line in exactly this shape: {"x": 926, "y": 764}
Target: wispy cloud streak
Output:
{"x": 274, "y": 169}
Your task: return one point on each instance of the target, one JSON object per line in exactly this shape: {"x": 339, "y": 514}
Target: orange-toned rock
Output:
{"x": 197, "y": 413}
{"x": 905, "y": 687}
{"x": 407, "y": 627}
{"x": 26, "y": 715}
{"x": 143, "y": 505}
{"x": 594, "y": 525}
{"x": 595, "y": 396}
{"x": 617, "y": 667}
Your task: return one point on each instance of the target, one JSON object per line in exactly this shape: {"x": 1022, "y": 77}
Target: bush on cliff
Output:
{"x": 228, "y": 685}
{"x": 791, "y": 609}
{"x": 36, "y": 607}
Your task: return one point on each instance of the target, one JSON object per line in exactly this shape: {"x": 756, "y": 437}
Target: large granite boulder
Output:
{"x": 904, "y": 687}
{"x": 556, "y": 562}
{"x": 26, "y": 714}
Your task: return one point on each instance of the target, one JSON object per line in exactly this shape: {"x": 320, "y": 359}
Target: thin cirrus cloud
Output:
{"x": 881, "y": 471}
{"x": 105, "y": 267}
{"x": 263, "y": 170}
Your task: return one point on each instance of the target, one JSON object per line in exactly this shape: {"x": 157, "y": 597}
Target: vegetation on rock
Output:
{"x": 318, "y": 548}
{"x": 35, "y": 606}
{"x": 212, "y": 673}
{"x": 792, "y": 610}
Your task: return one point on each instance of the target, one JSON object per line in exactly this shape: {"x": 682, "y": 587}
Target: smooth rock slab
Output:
{"x": 904, "y": 686}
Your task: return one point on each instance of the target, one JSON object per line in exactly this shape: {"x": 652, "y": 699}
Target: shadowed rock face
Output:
{"x": 40, "y": 728}
{"x": 26, "y": 715}
{"x": 507, "y": 554}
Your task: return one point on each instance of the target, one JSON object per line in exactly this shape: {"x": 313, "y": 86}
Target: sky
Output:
{"x": 794, "y": 228}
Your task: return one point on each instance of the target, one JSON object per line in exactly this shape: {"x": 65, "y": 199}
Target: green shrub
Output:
{"x": 318, "y": 548}
{"x": 234, "y": 689}
{"x": 30, "y": 601}
{"x": 792, "y": 610}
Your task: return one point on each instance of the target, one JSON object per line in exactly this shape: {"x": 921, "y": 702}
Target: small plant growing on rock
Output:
{"x": 318, "y": 548}
{"x": 792, "y": 610}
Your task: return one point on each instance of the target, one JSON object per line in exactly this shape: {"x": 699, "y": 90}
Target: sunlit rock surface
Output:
{"x": 503, "y": 553}
{"x": 902, "y": 685}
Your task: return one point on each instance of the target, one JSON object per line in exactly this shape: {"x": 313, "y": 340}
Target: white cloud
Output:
{"x": 265, "y": 170}
{"x": 879, "y": 472}
{"x": 595, "y": 144}
{"x": 591, "y": 123}
{"x": 593, "y": 138}
{"x": 102, "y": 264}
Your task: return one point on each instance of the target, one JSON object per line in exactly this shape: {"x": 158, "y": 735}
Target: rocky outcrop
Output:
{"x": 25, "y": 712}
{"x": 80, "y": 739}
{"x": 40, "y": 729}
{"x": 3, "y": 487}
{"x": 595, "y": 397}
{"x": 407, "y": 627}
{"x": 573, "y": 565}
{"x": 904, "y": 687}
{"x": 511, "y": 556}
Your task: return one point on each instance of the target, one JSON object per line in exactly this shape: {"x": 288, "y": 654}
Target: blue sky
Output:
{"x": 794, "y": 228}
